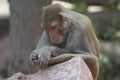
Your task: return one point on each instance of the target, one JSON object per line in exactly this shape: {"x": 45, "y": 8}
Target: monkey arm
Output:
{"x": 55, "y": 51}
{"x": 44, "y": 40}
{"x": 91, "y": 60}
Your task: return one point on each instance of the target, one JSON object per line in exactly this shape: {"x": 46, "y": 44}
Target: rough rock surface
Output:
{"x": 73, "y": 69}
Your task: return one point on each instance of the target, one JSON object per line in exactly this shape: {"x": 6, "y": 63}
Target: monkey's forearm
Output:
{"x": 55, "y": 51}
{"x": 58, "y": 51}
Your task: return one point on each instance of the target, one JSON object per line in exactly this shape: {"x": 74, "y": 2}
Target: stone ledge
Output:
{"x": 73, "y": 69}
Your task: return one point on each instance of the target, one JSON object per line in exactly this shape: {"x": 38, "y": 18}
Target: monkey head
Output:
{"x": 56, "y": 23}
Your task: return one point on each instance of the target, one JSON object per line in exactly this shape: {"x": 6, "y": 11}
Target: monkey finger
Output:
{"x": 35, "y": 54}
{"x": 40, "y": 62}
{"x": 42, "y": 66}
{"x": 45, "y": 62}
{"x": 35, "y": 63}
{"x": 33, "y": 58}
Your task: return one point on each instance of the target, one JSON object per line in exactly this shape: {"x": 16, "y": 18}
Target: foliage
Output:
{"x": 81, "y": 7}
{"x": 105, "y": 67}
{"x": 110, "y": 34}
{"x": 113, "y": 22}
{"x": 110, "y": 4}
{"x": 110, "y": 7}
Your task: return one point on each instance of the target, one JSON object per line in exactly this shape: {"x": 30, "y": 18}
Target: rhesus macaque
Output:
{"x": 66, "y": 34}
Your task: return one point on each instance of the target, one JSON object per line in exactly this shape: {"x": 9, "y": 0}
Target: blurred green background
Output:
{"x": 105, "y": 16}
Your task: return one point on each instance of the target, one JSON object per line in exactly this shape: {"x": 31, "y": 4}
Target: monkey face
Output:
{"x": 55, "y": 32}
{"x": 55, "y": 23}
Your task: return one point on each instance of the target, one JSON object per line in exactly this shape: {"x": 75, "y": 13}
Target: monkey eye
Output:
{"x": 52, "y": 27}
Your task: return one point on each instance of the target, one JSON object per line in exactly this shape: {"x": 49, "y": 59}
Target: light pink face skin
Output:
{"x": 55, "y": 35}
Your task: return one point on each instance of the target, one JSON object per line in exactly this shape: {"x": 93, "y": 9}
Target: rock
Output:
{"x": 73, "y": 69}
{"x": 18, "y": 76}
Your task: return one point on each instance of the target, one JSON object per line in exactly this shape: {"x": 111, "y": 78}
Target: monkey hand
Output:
{"x": 41, "y": 57}
{"x": 55, "y": 51}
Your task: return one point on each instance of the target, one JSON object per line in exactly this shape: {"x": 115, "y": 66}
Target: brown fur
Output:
{"x": 80, "y": 39}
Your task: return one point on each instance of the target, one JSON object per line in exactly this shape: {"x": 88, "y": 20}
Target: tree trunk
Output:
{"x": 25, "y": 32}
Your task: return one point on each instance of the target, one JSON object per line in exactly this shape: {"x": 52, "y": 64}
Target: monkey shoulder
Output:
{"x": 79, "y": 19}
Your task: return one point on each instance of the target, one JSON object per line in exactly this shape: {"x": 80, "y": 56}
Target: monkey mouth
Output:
{"x": 56, "y": 41}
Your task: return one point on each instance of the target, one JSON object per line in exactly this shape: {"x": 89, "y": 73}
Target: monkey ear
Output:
{"x": 63, "y": 15}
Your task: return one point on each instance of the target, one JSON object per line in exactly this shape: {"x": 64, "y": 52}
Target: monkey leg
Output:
{"x": 93, "y": 64}
{"x": 90, "y": 60}
{"x": 60, "y": 59}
